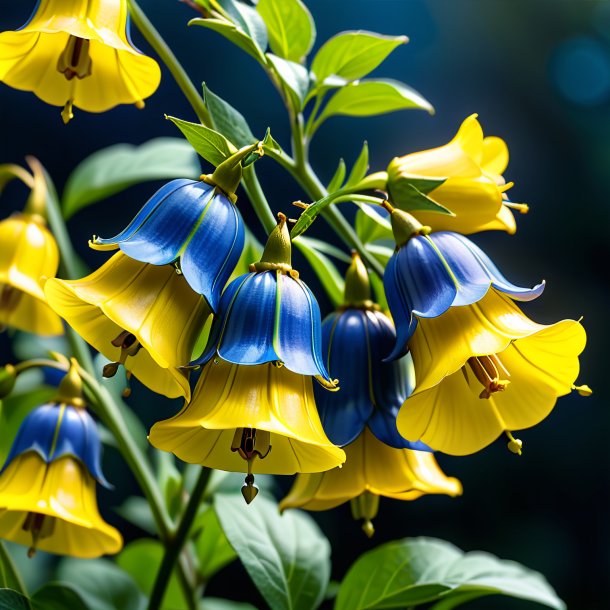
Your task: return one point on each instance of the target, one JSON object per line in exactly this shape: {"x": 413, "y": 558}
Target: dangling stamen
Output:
{"x": 515, "y": 445}
{"x": 583, "y": 390}
{"x": 251, "y": 443}
{"x": 487, "y": 370}
{"x": 365, "y": 507}
{"x": 74, "y": 60}
{"x": 9, "y": 298}
{"x": 129, "y": 345}
{"x": 40, "y": 526}
{"x": 249, "y": 490}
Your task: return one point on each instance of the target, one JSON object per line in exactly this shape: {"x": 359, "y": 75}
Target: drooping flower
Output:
{"x": 47, "y": 485}
{"x": 143, "y": 316}
{"x": 78, "y": 53}
{"x": 463, "y": 176}
{"x": 431, "y": 272}
{"x": 193, "y": 224}
{"x": 484, "y": 369}
{"x": 28, "y": 253}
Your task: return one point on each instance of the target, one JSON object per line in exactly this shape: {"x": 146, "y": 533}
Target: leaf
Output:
{"x": 136, "y": 510}
{"x": 381, "y": 253}
{"x": 211, "y": 546}
{"x": 413, "y": 200}
{"x": 287, "y": 557}
{"x": 331, "y": 279}
{"x": 56, "y": 596}
{"x": 113, "y": 169}
{"x": 170, "y": 481}
{"x": 9, "y": 577}
{"x": 290, "y": 26}
{"x": 309, "y": 215}
{"x": 371, "y": 224}
{"x": 234, "y": 34}
{"x": 248, "y": 19}
{"x": 227, "y": 120}
{"x": 337, "y": 180}
{"x": 360, "y": 167}
{"x": 141, "y": 560}
{"x": 101, "y": 584}
{"x": 294, "y": 76}
{"x": 371, "y": 97}
{"x": 11, "y": 600}
{"x": 209, "y": 144}
{"x": 353, "y": 54}
{"x": 415, "y": 571}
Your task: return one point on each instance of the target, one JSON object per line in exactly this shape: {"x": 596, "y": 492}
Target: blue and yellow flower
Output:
{"x": 142, "y": 316}
{"x": 431, "y": 272}
{"x": 484, "y": 369}
{"x": 192, "y": 224}
{"x": 47, "y": 485}
{"x": 78, "y": 53}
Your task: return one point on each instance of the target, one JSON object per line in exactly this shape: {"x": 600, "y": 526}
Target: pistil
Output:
{"x": 487, "y": 370}
{"x": 251, "y": 443}
{"x": 129, "y": 345}
{"x": 40, "y": 526}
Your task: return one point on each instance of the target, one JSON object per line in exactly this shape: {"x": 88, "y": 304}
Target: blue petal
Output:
{"x": 214, "y": 249}
{"x": 498, "y": 281}
{"x": 345, "y": 413}
{"x": 383, "y": 426}
{"x": 297, "y": 342}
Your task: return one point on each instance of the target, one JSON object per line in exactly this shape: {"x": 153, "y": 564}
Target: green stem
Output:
{"x": 177, "y": 542}
{"x": 11, "y": 576}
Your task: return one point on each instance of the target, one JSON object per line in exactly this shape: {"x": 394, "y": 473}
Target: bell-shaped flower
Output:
{"x": 78, "y": 53}
{"x": 463, "y": 176}
{"x": 142, "y": 316}
{"x": 47, "y": 485}
{"x": 28, "y": 252}
{"x": 192, "y": 224}
{"x": 431, "y": 272}
{"x": 372, "y": 469}
{"x": 484, "y": 369}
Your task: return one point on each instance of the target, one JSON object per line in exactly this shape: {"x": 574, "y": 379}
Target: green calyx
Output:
{"x": 70, "y": 391}
{"x": 404, "y": 226}
{"x": 278, "y": 249}
{"x": 357, "y": 291}
{"x": 228, "y": 174}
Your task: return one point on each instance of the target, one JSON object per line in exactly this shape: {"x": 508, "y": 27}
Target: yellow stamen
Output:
{"x": 251, "y": 443}
{"x": 583, "y": 390}
{"x": 66, "y": 114}
{"x": 487, "y": 371}
{"x": 74, "y": 60}
{"x": 520, "y": 207}
{"x": 515, "y": 445}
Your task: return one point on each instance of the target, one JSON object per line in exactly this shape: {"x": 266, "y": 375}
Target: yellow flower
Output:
{"x": 250, "y": 417}
{"x": 371, "y": 468}
{"x": 469, "y": 170}
{"x": 52, "y": 507}
{"x": 140, "y": 315}
{"x": 28, "y": 252}
{"x": 483, "y": 369}
{"x": 78, "y": 53}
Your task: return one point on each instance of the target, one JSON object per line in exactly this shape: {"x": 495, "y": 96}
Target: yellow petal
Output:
{"x": 495, "y": 156}
{"x": 264, "y": 397}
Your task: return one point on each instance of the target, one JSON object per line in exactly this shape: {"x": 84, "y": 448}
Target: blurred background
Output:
{"x": 538, "y": 74}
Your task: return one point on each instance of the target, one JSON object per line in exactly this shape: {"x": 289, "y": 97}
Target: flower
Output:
{"x": 28, "y": 253}
{"x": 463, "y": 176}
{"x": 372, "y": 469}
{"x": 78, "y": 53}
{"x": 429, "y": 273}
{"x": 483, "y": 369}
{"x": 47, "y": 485}
{"x": 142, "y": 316}
{"x": 192, "y": 223}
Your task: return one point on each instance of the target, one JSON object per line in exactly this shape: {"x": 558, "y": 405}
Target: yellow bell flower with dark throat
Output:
{"x": 78, "y": 53}
{"x": 484, "y": 369}
{"x": 142, "y": 316}
{"x": 47, "y": 485}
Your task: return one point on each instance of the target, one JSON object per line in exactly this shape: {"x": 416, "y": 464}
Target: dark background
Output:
{"x": 538, "y": 74}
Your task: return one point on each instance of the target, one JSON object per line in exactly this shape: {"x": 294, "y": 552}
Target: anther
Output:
{"x": 583, "y": 390}
{"x": 487, "y": 371}
{"x": 515, "y": 445}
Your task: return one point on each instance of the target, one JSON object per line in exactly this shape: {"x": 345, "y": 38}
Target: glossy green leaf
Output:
{"x": 9, "y": 576}
{"x": 371, "y": 97}
{"x": 371, "y": 224}
{"x": 290, "y": 26}
{"x": 416, "y": 571}
{"x": 234, "y": 34}
{"x": 360, "y": 167}
{"x": 101, "y": 584}
{"x": 248, "y": 19}
{"x": 113, "y": 169}
{"x": 411, "y": 199}
{"x": 309, "y": 215}
{"x": 210, "y": 144}
{"x": 56, "y": 596}
{"x": 287, "y": 557}
{"x": 329, "y": 276}
{"x": 211, "y": 545}
{"x": 352, "y": 55}
{"x": 136, "y": 510}
{"x": 381, "y": 253}
{"x": 141, "y": 560}
{"x": 336, "y": 182}
{"x": 294, "y": 77}
{"x": 12, "y": 600}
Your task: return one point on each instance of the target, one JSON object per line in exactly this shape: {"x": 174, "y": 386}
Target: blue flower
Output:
{"x": 431, "y": 273}
{"x": 192, "y": 223}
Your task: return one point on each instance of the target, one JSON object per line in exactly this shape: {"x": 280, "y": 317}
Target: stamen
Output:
{"x": 40, "y": 526}
{"x": 251, "y": 443}
{"x": 515, "y": 445}
{"x": 487, "y": 371}
{"x": 365, "y": 507}
{"x": 74, "y": 60}
{"x": 523, "y": 208}
{"x": 249, "y": 490}
{"x": 583, "y": 390}
{"x": 66, "y": 114}
{"x": 129, "y": 345}
{"x": 9, "y": 298}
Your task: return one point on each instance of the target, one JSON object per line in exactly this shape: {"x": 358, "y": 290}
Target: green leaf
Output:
{"x": 210, "y": 144}
{"x": 211, "y": 546}
{"x": 287, "y": 557}
{"x": 234, "y": 34}
{"x": 248, "y": 19}
{"x": 56, "y": 596}
{"x": 339, "y": 176}
{"x": 352, "y": 55}
{"x": 227, "y": 120}
{"x": 136, "y": 510}
{"x": 11, "y": 600}
{"x": 422, "y": 570}
{"x": 381, "y": 253}
{"x": 9, "y": 576}
{"x": 290, "y": 26}
{"x": 371, "y": 97}
{"x": 141, "y": 560}
{"x": 360, "y": 167}
{"x": 412, "y": 199}
{"x": 309, "y": 215}
{"x": 371, "y": 225}
{"x": 101, "y": 584}
{"x": 329, "y": 276}
{"x": 113, "y": 169}
{"x": 294, "y": 76}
